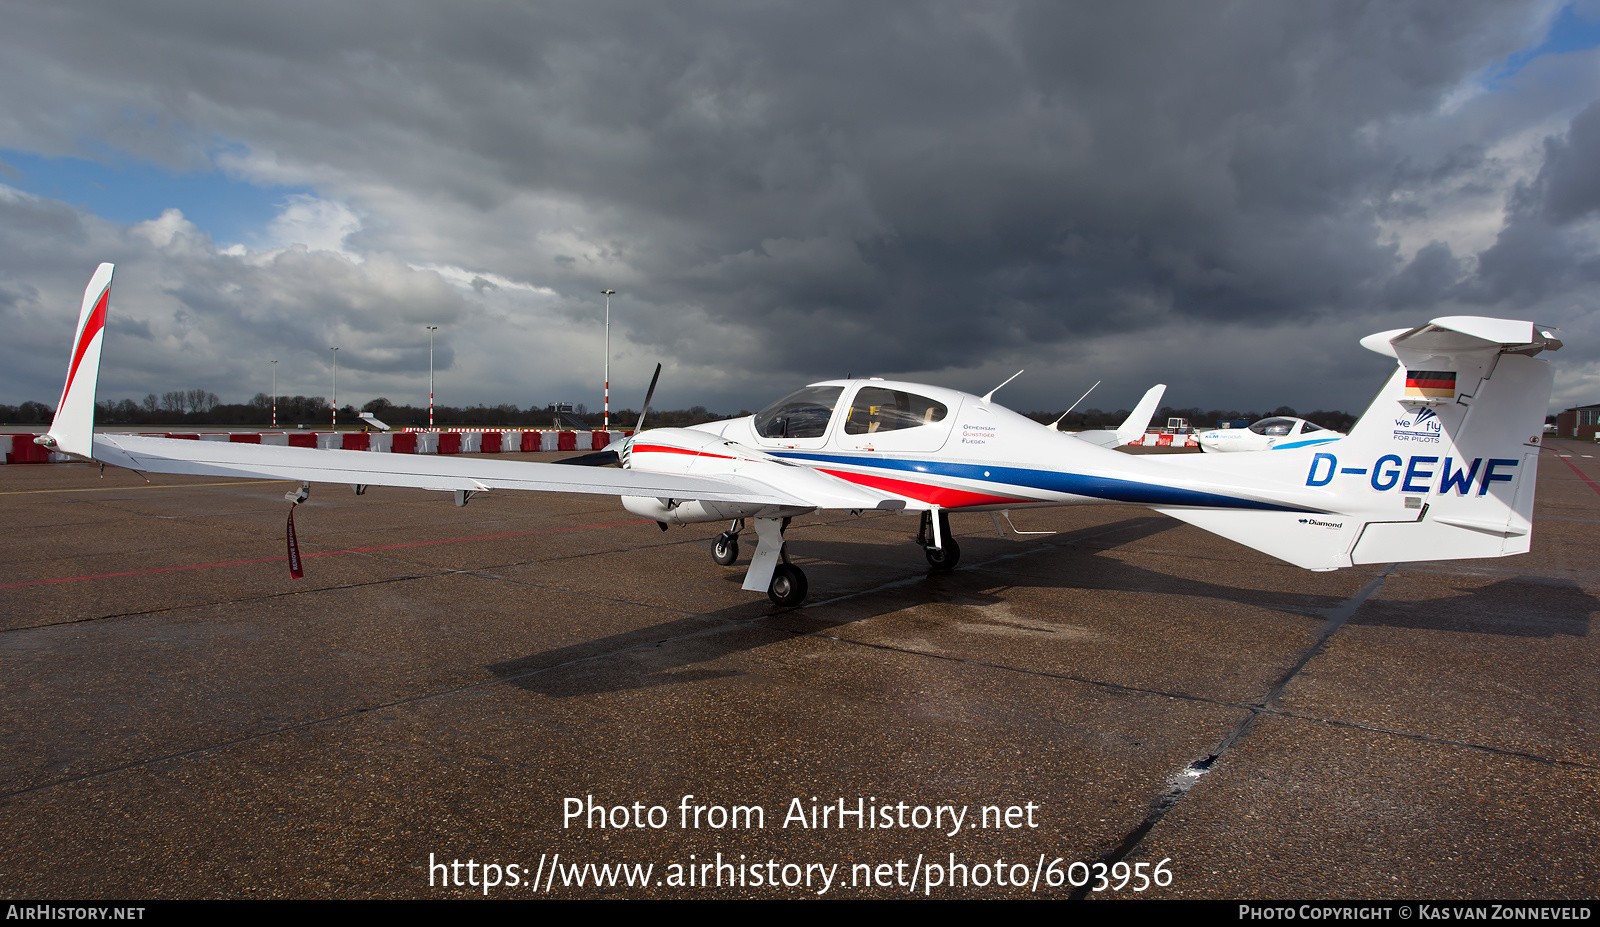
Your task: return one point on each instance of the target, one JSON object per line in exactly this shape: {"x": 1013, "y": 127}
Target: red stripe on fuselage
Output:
{"x": 97, "y": 321}
{"x": 941, "y": 496}
{"x": 669, "y": 449}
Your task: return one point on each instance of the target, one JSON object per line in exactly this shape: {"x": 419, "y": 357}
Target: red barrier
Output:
{"x": 244, "y": 439}
{"x": 184, "y": 437}
{"x": 355, "y": 441}
{"x": 303, "y": 440}
{"x": 450, "y": 442}
{"x": 598, "y": 440}
{"x": 492, "y": 441}
{"x": 1163, "y": 440}
{"x": 404, "y": 443}
{"x": 567, "y": 441}
{"x": 530, "y": 440}
{"x": 23, "y": 450}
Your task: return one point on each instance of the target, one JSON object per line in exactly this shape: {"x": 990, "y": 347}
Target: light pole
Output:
{"x": 335, "y": 388}
{"x": 605, "y": 418}
{"x": 431, "y": 330}
{"x": 274, "y": 394}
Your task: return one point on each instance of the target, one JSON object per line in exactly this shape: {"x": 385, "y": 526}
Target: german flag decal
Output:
{"x": 1430, "y": 384}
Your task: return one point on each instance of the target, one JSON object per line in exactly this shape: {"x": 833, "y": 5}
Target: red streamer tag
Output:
{"x": 294, "y": 549}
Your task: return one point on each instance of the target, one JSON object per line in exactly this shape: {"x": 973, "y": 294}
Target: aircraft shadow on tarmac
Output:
{"x": 666, "y": 653}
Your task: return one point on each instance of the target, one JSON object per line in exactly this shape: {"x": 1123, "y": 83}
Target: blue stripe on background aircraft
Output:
{"x": 1459, "y": 485}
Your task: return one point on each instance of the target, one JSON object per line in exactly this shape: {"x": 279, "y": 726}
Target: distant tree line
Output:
{"x": 199, "y": 407}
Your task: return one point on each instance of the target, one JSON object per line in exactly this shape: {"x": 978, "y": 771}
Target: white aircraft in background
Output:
{"x": 1279, "y": 433}
{"x": 1441, "y": 466}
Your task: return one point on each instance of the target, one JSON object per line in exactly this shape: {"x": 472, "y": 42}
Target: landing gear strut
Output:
{"x": 770, "y": 568}
{"x": 944, "y": 557}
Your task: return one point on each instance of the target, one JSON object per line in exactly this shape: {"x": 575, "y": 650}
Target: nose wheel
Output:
{"x": 725, "y": 549}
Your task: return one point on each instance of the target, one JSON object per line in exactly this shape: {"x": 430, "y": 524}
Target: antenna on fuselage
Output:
{"x": 990, "y": 394}
{"x": 1057, "y": 423}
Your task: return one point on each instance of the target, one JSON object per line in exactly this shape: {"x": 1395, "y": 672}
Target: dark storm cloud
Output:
{"x": 1545, "y": 246}
{"x": 789, "y": 191}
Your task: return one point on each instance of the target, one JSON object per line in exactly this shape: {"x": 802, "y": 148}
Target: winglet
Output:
{"x": 72, "y": 430}
{"x": 1138, "y": 421}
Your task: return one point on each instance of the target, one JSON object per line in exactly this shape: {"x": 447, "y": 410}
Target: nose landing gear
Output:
{"x": 725, "y": 549}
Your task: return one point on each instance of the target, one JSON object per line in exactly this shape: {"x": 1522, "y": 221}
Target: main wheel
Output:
{"x": 944, "y": 559}
{"x": 788, "y": 585}
{"x": 725, "y": 549}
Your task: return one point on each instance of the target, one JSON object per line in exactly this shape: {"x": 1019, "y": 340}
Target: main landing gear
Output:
{"x": 785, "y": 583}
{"x": 788, "y": 586}
{"x": 938, "y": 545}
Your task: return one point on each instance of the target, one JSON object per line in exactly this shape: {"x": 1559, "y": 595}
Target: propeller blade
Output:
{"x": 647, "y": 397}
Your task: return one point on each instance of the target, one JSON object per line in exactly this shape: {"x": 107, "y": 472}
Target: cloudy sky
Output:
{"x": 1219, "y": 196}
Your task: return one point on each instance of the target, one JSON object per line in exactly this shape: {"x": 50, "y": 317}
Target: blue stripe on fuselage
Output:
{"x": 1312, "y": 442}
{"x": 1076, "y": 484}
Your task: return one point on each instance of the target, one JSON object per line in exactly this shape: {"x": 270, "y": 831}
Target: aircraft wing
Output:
{"x": 72, "y": 431}
{"x": 471, "y": 474}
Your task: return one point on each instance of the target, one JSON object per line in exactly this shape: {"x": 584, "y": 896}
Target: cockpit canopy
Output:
{"x": 803, "y": 413}
{"x": 876, "y": 410}
{"x": 1279, "y": 427}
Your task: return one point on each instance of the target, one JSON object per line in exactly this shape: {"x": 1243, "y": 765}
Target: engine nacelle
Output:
{"x": 695, "y": 511}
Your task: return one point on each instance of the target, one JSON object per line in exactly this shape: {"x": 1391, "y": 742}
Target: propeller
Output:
{"x": 610, "y": 457}
{"x": 649, "y": 394}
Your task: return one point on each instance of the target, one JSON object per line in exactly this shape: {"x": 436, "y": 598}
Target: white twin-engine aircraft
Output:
{"x": 1440, "y": 467}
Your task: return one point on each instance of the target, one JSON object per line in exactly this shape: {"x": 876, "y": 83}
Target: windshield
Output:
{"x": 803, "y": 413}
{"x": 1273, "y": 427}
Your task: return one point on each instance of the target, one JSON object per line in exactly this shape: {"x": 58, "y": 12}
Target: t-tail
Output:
{"x": 1440, "y": 467}
{"x": 72, "y": 429}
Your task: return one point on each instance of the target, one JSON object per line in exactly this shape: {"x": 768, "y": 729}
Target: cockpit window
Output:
{"x": 877, "y": 410}
{"x": 1273, "y": 427}
{"x": 1308, "y": 428}
{"x": 803, "y": 413}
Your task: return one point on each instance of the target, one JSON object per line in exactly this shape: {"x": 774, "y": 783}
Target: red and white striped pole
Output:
{"x": 605, "y": 418}
{"x": 335, "y": 388}
{"x": 431, "y": 330}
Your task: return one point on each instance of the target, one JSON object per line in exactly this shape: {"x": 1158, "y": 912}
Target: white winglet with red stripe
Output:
{"x": 72, "y": 430}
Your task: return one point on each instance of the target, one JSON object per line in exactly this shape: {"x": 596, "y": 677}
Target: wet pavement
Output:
{"x": 184, "y": 720}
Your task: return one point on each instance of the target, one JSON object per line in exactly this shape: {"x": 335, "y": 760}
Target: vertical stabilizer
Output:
{"x": 72, "y": 430}
{"x": 1138, "y": 422}
{"x": 1441, "y": 466}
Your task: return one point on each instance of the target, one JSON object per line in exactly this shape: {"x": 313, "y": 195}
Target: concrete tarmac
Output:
{"x": 529, "y": 688}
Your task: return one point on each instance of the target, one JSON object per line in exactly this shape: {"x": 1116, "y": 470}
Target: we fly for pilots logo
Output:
{"x": 1422, "y": 426}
